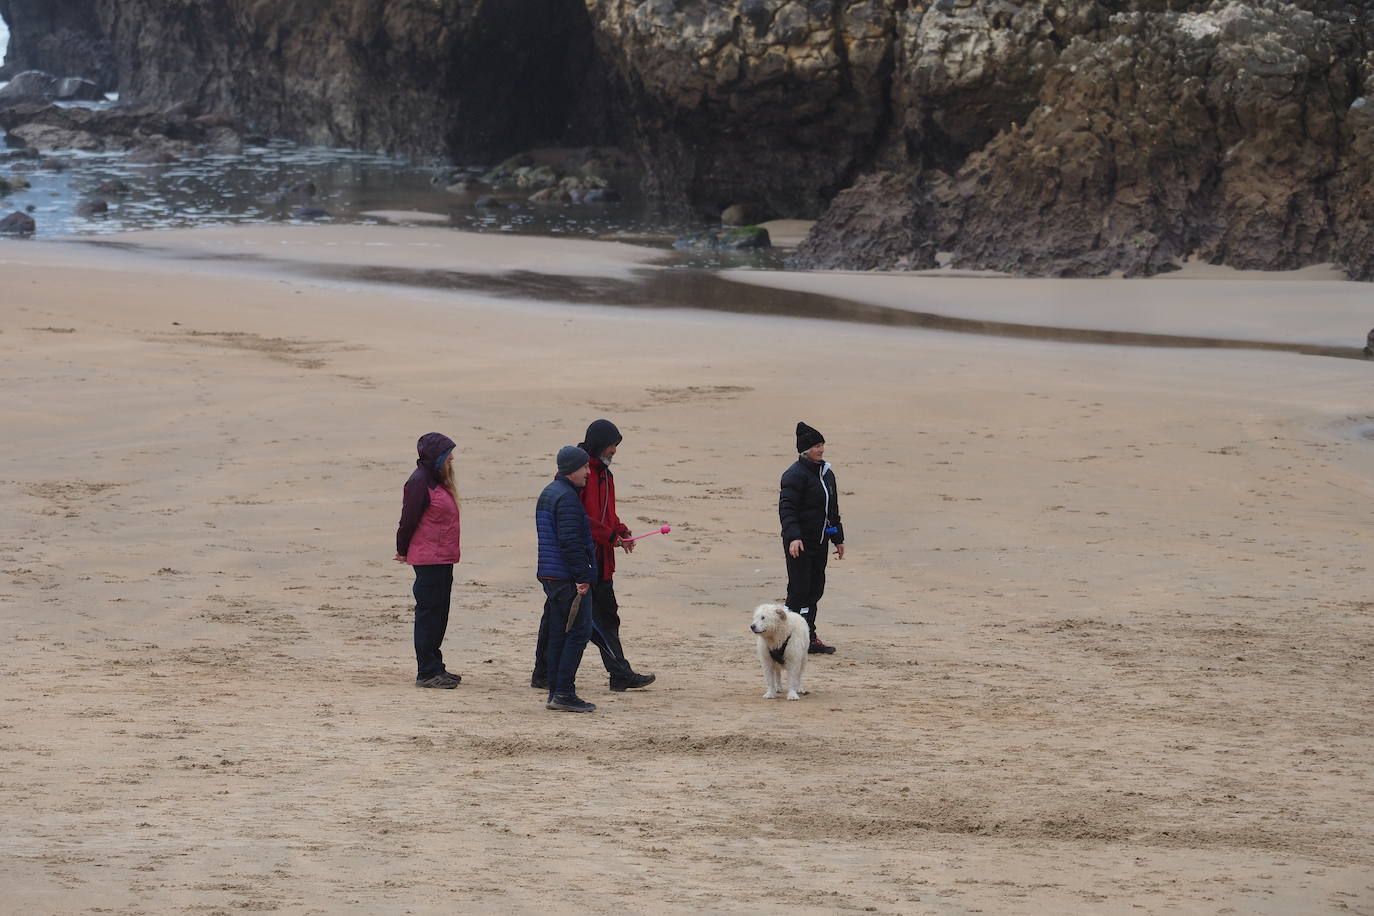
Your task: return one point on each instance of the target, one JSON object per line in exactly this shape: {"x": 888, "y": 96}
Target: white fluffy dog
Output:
{"x": 782, "y": 644}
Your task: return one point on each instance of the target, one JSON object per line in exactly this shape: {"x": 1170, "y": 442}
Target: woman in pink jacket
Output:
{"x": 427, "y": 539}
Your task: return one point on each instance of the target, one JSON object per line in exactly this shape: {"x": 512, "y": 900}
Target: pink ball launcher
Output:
{"x": 664, "y": 530}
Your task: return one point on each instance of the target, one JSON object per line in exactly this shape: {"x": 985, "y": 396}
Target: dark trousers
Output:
{"x": 433, "y": 589}
{"x": 806, "y": 581}
{"x": 606, "y": 632}
{"x": 605, "y": 635}
{"x": 563, "y": 650}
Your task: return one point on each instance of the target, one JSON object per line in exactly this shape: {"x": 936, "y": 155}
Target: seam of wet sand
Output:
{"x": 704, "y": 290}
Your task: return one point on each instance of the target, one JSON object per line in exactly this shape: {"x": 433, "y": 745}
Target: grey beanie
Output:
{"x": 570, "y": 458}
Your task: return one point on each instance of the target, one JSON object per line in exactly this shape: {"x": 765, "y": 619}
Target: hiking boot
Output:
{"x": 819, "y": 648}
{"x": 456, "y": 678}
{"x": 569, "y": 702}
{"x": 539, "y": 682}
{"x": 633, "y": 682}
{"x": 438, "y": 681}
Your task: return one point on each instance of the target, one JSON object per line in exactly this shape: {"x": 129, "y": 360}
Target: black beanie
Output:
{"x": 807, "y": 436}
{"x": 570, "y": 458}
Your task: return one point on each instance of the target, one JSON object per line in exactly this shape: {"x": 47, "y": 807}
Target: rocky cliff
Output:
{"x": 1230, "y": 132}
{"x": 57, "y": 37}
{"x": 1067, "y": 137}
{"x": 474, "y": 78}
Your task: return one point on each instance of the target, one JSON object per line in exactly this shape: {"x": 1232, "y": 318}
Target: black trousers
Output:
{"x": 806, "y": 580}
{"x": 433, "y": 589}
{"x": 605, "y": 635}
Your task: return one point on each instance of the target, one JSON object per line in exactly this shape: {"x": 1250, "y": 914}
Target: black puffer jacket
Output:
{"x": 809, "y": 503}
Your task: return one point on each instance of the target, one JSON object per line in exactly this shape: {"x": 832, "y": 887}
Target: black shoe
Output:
{"x": 569, "y": 702}
{"x": 439, "y": 682}
{"x": 819, "y": 648}
{"x": 539, "y": 683}
{"x": 456, "y": 678}
{"x": 633, "y": 682}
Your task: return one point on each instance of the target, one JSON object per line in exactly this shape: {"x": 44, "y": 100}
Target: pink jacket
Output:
{"x": 436, "y": 537}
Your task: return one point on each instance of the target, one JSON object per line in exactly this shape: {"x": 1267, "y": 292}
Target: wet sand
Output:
{"x": 1104, "y": 627}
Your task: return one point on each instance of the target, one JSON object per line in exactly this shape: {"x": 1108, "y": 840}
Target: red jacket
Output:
{"x": 598, "y": 498}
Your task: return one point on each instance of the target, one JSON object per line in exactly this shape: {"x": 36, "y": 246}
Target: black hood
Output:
{"x": 601, "y": 435}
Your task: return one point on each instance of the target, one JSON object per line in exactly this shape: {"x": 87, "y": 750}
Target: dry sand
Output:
{"x": 1104, "y": 628}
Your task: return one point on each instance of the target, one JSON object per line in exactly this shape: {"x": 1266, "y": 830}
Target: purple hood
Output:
{"x": 429, "y": 448}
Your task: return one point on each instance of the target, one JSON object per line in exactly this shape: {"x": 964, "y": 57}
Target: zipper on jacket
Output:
{"x": 825, "y": 517}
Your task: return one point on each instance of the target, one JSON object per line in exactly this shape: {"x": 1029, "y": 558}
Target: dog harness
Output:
{"x": 778, "y": 652}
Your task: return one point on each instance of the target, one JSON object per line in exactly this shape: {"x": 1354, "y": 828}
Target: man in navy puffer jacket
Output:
{"x": 567, "y": 568}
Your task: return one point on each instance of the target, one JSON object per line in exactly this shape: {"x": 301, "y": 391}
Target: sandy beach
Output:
{"x": 1104, "y": 628}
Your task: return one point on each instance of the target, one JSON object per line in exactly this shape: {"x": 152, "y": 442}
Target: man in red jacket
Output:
{"x": 609, "y": 532}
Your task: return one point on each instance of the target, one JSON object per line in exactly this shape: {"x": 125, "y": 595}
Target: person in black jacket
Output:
{"x": 809, "y": 509}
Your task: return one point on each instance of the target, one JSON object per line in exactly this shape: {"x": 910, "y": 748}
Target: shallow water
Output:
{"x": 252, "y": 187}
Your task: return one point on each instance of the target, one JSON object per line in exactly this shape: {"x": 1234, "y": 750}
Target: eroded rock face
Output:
{"x": 881, "y": 223}
{"x": 155, "y": 136}
{"x": 424, "y": 77}
{"x": 768, "y": 102}
{"x": 59, "y": 37}
{"x": 1067, "y": 137}
{"x": 1229, "y": 132}
{"x": 1211, "y": 133}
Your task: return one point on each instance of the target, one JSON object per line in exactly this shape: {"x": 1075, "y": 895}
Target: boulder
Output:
{"x": 78, "y": 89}
{"x": 551, "y": 196}
{"x": 49, "y": 137}
{"x": 740, "y": 215}
{"x": 487, "y": 203}
{"x": 17, "y": 223}
{"x": 743, "y": 238}
{"x": 223, "y": 141}
{"x": 882, "y": 223}
{"x": 543, "y": 176}
{"x": 310, "y": 212}
{"x": 93, "y": 207}
{"x": 151, "y": 155}
{"x": 31, "y": 86}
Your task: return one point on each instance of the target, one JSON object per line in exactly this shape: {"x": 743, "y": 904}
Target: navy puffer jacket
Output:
{"x": 566, "y": 548}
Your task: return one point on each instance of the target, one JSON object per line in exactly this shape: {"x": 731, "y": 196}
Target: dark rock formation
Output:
{"x": 740, "y": 238}
{"x": 1067, "y": 137}
{"x": 1229, "y": 132}
{"x": 751, "y": 101}
{"x": 77, "y": 89}
{"x": 151, "y": 134}
{"x": 469, "y": 78}
{"x": 17, "y": 223}
{"x": 57, "y": 36}
{"x": 881, "y": 223}
{"x": 28, "y": 87}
